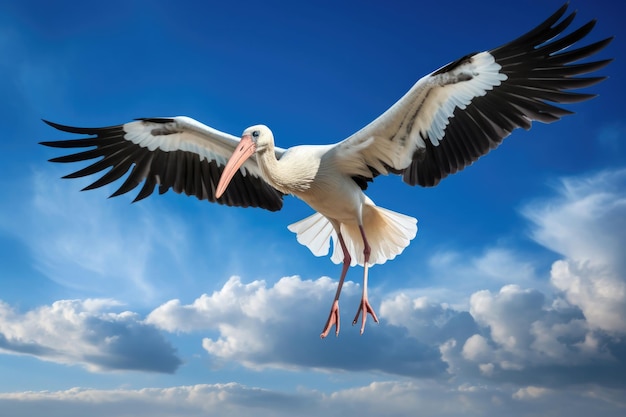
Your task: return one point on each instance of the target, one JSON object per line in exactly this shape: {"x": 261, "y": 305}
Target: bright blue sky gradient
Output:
{"x": 511, "y": 298}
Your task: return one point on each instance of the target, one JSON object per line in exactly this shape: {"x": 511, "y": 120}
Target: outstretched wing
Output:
{"x": 461, "y": 111}
{"x": 178, "y": 153}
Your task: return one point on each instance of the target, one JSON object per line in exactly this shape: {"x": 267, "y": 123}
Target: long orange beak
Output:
{"x": 244, "y": 150}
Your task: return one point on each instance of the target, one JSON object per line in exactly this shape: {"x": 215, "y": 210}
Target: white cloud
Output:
{"x": 569, "y": 333}
{"x": 508, "y": 315}
{"x": 88, "y": 333}
{"x": 586, "y": 223}
{"x": 530, "y": 392}
{"x": 425, "y": 320}
{"x": 458, "y": 274}
{"x": 524, "y": 338}
{"x": 477, "y": 349}
{"x": 597, "y": 291}
{"x": 389, "y": 398}
{"x": 279, "y": 326}
{"x": 253, "y": 302}
{"x": 575, "y": 334}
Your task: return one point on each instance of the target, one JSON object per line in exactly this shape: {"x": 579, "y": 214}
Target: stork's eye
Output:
{"x": 255, "y": 134}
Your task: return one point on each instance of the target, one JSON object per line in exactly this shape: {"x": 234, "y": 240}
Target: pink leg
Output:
{"x": 333, "y": 317}
{"x": 364, "y": 306}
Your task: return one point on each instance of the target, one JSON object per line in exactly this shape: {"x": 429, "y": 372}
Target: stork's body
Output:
{"x": 444, "y": 123}
{"x": 335, "y": 196}
{"x": 318, "y": 175}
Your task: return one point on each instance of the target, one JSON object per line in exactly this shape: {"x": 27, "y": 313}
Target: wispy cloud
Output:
{"x": 95, "y": 246}
{"x": 87, "y": 333}
{"x": 455, "y": 274}
{"x": 586, "y": 223}
{"x": 137, "y": 253}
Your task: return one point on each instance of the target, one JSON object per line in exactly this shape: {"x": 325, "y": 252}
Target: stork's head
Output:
{"x": 254, "y": 139}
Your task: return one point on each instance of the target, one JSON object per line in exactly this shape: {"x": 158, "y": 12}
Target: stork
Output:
{"x": 445, "y": 122}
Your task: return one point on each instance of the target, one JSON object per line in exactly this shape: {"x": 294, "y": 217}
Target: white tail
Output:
{"x": 388, "y": 233}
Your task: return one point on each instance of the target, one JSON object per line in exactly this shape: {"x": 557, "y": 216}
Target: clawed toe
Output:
{"x": 364, "y": 309}
{"x": 333, "y": 320}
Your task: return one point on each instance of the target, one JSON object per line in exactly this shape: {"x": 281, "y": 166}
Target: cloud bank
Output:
{"x": 389, "y": 398}
{"x": 279, "y": 326}
{"x": 86, "y": 333}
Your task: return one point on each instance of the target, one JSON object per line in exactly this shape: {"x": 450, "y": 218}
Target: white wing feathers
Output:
{"x": 455, "y": 89}
{"x": 388, "y": 143}
{"x": 183, "y": 134}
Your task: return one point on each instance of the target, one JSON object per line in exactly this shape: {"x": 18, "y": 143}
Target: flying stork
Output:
{"x": 445, "y": 122}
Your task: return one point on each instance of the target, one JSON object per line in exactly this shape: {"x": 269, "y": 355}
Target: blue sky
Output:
{"x": 511, "y": 298}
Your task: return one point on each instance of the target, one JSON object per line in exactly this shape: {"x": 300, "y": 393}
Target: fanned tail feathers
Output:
{"x": 315, "y": 232}
{"x": 388, "y": 233}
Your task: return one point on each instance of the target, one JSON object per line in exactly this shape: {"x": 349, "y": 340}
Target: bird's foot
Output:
{"x": 364, "y": 308}
{"x": 333, "y": 320}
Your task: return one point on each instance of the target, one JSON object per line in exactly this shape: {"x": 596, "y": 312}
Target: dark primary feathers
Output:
{"x": 539, "y": 70}
{"x": 183, "y": 171}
